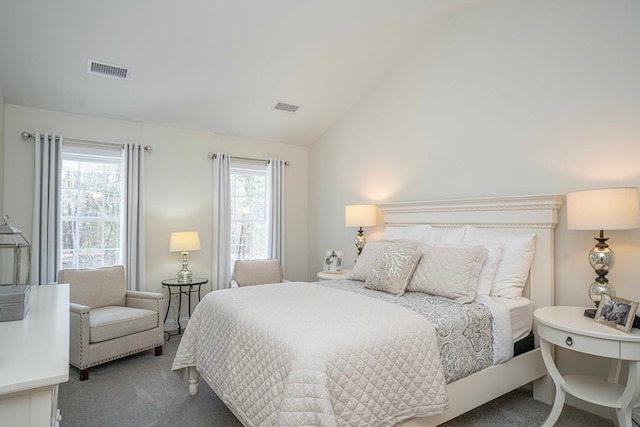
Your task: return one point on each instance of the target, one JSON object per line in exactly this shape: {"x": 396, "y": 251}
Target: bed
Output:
{"x": 325, "y": 354}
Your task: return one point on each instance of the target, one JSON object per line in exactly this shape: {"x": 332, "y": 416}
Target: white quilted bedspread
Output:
{"x": 299, "y": 354}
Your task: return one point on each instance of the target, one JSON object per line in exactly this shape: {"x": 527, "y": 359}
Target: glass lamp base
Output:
{"x": 596, "y": 290}
{"x": 184, "y": 276}
{"x": 360, "y": 241}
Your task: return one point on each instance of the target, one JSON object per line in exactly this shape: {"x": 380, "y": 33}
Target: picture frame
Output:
{"x": 333, "y": 260}
{"x": 618, "y": 313}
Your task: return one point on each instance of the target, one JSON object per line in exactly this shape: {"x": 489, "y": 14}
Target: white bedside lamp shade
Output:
{"x": 184, "y": 241}
{"x": 605, "y": 209}
{"x": 360, "y": 216}
{"x": 608, "y": 209}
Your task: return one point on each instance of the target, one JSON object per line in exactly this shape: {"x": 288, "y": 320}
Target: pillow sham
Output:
{"x": 411, "y": 232}
{"x": 453, "y": 235}
{"x": 489, "y": 267}
{"x": 393, "y": 270}
{"x": 515, "y": 262}
{"x": 369, "y": 255}
{"x": 450, "y": 272}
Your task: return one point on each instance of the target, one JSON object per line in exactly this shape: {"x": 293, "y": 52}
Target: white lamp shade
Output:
{"x": 360, "y": 216}
{"x": 184, "y": 241}
{"x": 606, "y": 209}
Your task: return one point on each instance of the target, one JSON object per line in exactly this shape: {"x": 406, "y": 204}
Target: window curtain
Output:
{"x": 221, "y": 220}
{"x": 275, "y": 188}
{"x": 133, "y": 246}
{"x": 46, "y": 233}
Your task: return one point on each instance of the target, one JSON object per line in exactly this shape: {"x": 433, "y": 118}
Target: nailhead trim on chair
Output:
{"x": 121, "y": 356}
{"x": 98, "y": 362}
{"x": 82, "y": 321}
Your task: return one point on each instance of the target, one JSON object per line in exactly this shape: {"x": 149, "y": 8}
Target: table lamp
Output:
{"x": 606, "y": 209}
{"x": 184, "y": 241}
{"x": 360, "y": 216}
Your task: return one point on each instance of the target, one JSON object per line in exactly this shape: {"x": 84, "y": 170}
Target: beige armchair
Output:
{"x": 256, "y": 272}
{"x": 108, "y": 321}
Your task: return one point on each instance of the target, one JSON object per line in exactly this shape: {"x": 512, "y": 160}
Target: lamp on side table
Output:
{"x": 184, "y": 241}
{"x": 606, "y": 209}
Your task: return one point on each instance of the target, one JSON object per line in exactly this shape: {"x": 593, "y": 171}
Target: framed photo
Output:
{"x": 332, "y": 262}
{"x": 616, "y": 312}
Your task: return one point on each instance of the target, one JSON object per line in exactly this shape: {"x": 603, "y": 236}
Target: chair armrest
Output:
{"x": 79, "y": 308}
{"x": 147, "y": 300}
{"x": 79, "y": 335}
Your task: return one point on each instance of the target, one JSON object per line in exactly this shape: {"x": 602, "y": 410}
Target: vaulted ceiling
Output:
{"x": 211, "y": 65}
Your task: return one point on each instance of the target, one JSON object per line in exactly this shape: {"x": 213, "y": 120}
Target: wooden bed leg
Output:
{"x": 194, "y": 380}
{"x": 84, "y": 374}
{"x": 159, "y": 350}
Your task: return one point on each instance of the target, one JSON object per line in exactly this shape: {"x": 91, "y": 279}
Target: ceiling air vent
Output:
{"x": 107, "y": 70}
{"x": 283, "y": 106}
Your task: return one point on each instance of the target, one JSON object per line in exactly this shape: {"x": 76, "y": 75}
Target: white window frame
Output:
{"x": 238, "y": 166}
{"x": 103, "y": 155}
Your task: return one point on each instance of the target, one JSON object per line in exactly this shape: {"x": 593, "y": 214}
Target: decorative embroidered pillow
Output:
{"x": 450, "y": 272}
{"x": 393, "y": 270}
{"x": 369, "y": 256}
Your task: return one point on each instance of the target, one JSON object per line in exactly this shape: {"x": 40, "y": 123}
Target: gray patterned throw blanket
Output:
{"x": 464, "y": 330}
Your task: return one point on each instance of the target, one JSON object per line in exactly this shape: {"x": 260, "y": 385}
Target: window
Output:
{"x": 249, "y": 230}
{"x": 91, "y": 207}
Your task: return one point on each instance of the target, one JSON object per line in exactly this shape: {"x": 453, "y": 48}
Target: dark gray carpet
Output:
{"x": 141, "y": 390}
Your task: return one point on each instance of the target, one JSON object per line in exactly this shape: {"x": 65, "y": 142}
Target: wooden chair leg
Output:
{"x": 84, "y": 374}
{"x": 159, "y": 350}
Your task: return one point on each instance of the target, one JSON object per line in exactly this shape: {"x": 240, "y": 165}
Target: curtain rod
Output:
{"x": 28, "y": 135}
{"x": 213, "y": 156}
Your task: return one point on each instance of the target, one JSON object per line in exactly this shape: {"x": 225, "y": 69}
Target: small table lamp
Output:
{"x": 607, "y": 209}
{"x": 360, "y": 216}
{"x": 184, "y": 241}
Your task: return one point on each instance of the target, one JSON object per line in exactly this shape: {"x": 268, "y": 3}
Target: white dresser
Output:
{"x": 34, "y": 359}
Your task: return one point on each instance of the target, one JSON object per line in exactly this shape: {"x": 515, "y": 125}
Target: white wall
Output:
{"x": 516, "y": 98}
{"x": 178, "y": 183}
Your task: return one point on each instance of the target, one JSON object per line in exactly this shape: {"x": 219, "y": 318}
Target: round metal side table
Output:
{"x": 178, "y": 288}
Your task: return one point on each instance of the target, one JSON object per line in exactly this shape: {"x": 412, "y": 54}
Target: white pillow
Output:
{"x": 453, "y": 235}
{"x": 411, "y": 232}
{"x": 393, "y": 270}
{"x": 515, "y": 262}
{"x": 488, "y": 272}
{"x": 449, "y": 271}
{"x": 369, "y": 256}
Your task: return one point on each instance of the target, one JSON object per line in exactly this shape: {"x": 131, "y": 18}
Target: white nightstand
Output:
{"x": 332, "y": 276}
{"x": 568, "y": 328}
